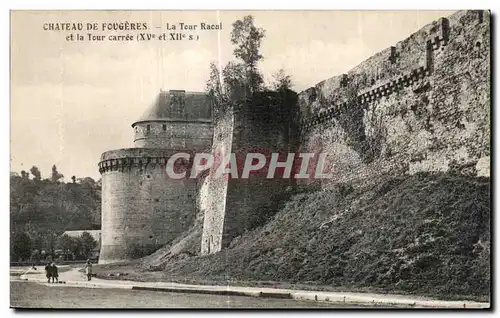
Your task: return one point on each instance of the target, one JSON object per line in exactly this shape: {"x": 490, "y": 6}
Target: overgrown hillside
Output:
{"x": 427, "y": 233}
{"x": 42, "y": 209}
{"x": 54, "y": 206}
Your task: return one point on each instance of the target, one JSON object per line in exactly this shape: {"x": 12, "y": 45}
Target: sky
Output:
{"x": 73, "y": 100}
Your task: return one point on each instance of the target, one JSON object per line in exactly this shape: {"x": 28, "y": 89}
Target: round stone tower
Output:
{"x": 142, "y": 208}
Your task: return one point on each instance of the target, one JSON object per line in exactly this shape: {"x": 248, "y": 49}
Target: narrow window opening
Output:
{"x": 164, "y": 127}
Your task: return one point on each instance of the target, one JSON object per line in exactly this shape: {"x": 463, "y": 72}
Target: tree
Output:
{"x": 21, "y": 246}
{"x": 73, "y": 178}
{"x": 25, "y": 175}
{"x": 281, "y": 81}
{"x": 76, "y": 246}
{"x": 227, "y": 85}
{"x": 65, "y": 242}
{"x": 37, "y": 176}
{"x": 88, "y": 243}
{"x": 88, "y": 181}
{"x": 234, "y": 79}
{"x": 35, "y": 236}
{"x": 238, "y": 79}
{"x": 247, "y": 39}
{"x": 214, "y": 85}
{"x": 55, "y": 174}
{"x": 49, "y": 242}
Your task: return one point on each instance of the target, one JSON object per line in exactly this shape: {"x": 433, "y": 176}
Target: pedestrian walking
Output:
{"x": 48, "y": 272}
{"x": 88, "y": 269}
{"x": 55, "y": 273}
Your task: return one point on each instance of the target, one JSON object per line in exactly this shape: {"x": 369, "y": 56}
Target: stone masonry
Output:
{"x": 141, "y": 207}
{"x": 420, "y": 105}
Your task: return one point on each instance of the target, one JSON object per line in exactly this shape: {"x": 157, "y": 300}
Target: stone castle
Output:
{"x": 421, "y": 105}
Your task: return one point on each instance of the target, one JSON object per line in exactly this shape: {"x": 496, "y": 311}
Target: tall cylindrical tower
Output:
{"x": 142, "y": 208}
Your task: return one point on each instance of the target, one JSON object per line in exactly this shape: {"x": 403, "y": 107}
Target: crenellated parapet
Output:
{"x": 124, "y": 164}
{"x": 404, "y": 66}
{"x": 412, "y": 79}
{"x": 127, "y": 159}
{"x": 393, "y": 85}
{"x": 441, "y": 36}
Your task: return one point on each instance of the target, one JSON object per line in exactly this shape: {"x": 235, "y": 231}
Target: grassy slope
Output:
{"x": 415, "y": 234}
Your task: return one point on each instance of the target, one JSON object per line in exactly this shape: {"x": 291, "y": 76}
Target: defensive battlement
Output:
{"x": 413, "y": 79}
{"x": 125, "y": 159}
{"x": 403, "y": 66}
{"x": 181, "y": 91}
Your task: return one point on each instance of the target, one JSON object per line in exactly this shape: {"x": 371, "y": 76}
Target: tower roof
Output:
{"x": 178, "y": 105}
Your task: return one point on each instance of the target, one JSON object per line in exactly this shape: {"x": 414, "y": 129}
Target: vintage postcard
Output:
{"x": 250, "y": 159}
